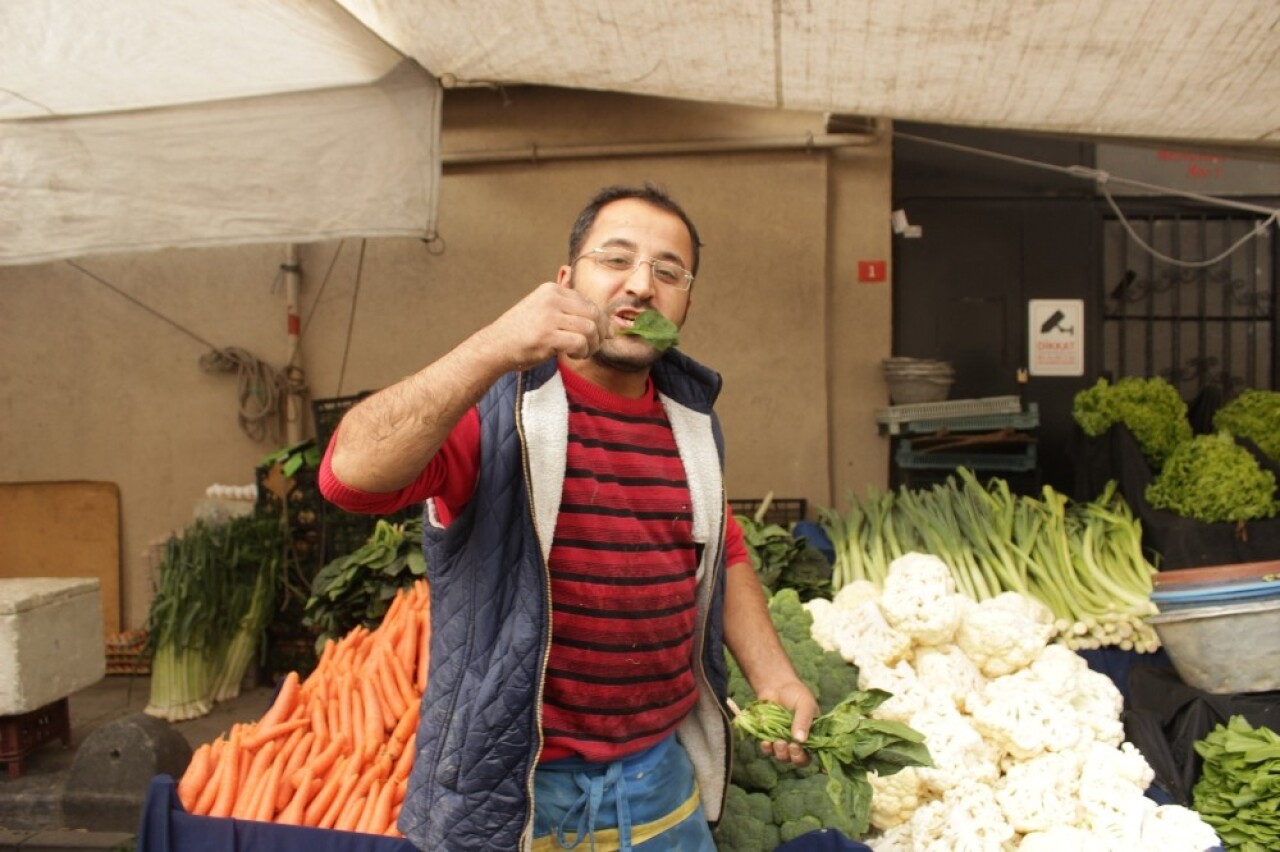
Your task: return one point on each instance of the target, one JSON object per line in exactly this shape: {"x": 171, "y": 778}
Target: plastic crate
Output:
{"x": 1019, "y": 457}
{"x": 1029, "y": 419}
{"x": 894, "y": 417}
{"x": 23, "y": 733}
{"x": 781, "y": 510}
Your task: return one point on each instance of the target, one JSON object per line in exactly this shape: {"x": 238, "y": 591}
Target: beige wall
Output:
{"x": 96, "y": 387}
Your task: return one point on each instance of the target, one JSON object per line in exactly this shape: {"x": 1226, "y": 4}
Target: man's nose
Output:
{"x": 643, "y": 283}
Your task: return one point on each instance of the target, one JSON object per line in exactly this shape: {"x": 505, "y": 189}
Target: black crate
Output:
{"x": 783, "y": 511}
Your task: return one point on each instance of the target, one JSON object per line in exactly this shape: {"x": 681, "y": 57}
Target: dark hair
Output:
{"x": 650, "y": 194}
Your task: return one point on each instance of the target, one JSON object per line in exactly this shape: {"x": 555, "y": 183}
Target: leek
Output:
{"x": 1082, "y": 560}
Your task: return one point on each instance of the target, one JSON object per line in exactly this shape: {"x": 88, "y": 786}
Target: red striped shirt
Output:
{"x": 623, "y": 566}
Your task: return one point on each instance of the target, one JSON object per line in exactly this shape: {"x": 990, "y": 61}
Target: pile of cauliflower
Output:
{"x": 1027, "y": 743}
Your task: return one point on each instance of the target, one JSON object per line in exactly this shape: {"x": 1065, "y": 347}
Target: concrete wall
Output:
{"x": 96, "y": 386}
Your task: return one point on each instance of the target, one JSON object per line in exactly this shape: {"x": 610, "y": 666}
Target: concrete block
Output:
{"x": 108, "y": 782}
{"x": 51, "y": 640}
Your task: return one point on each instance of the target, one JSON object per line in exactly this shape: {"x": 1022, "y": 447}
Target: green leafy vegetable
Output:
{"x": 848, "y": 744}
{"x": 660, "y": 332}
{"x": 1254, "y": 414}
{"x": 356, "y": 589}
{"x": 1238, "y": 792}
{"x": 1213, "y": 479}
{"x": 1151, "y": 408}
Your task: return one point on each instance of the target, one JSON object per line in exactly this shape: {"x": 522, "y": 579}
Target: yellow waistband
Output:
{"x": 606, "y": 839}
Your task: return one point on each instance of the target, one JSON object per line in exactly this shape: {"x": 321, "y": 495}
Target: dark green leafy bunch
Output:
{"x": 783, "y": 560}
{"x": 1238, "y": 792}
{"x": 848, "y": 744}
{"x": 660, "y": 332}
{"x": 357, "y": 589}
{"x": 1213, "y": 479}
{"x": 1254, "y": 414}
{"x": 1151, "y": 408}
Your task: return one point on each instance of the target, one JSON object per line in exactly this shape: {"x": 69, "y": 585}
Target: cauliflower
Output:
{"x": 1062, "y": 838}
{"x": 966, "y": 819}
{"x": 895, "y": 797}
{"x": 900, "y": 681}
{"x": 919, "y": 599}
{"x": 1005, "y": 633}
{"x": 1093, "y": 696}
{"x": 865, "y": 638}
{"x": 1112, "y": 793}
{"x": 946, "y": 669}
{"x": 1024, "y": 718}
{"x": 896, "y": 839}
{"x": 1037, "y": 794}
{"x": 959, "y": 752}
{"x": 1172, "y": 828}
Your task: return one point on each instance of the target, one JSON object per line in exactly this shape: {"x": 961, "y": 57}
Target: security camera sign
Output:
{"x": 1056, "y": 337}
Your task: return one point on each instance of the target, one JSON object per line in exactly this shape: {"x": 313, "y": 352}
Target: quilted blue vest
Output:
{"x": 479, "y": 733}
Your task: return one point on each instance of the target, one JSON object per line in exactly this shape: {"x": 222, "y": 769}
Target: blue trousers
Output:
{"x": 648, "y": 802}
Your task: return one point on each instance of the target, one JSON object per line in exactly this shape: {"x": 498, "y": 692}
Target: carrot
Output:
{"x": 227, "y": 779}
{"x": 358, "y": 729}
{"x": 285, "y": 703}
{"x": 320, "y": 764}
{"x": 266, "y": 808}
{"x": 404, "y": 762}
{"x": 317, "y": 809}
{"x": 350, "y": 814}
{"x": 345, "y": 708}
{"x": 292, "y": 756}
{"x": 254, "y": 781}
{"x": 196, "y": 776}
{"x": 263, "y": 735}
{"x": 295, "y": 810}
{"x": 373, "y": 730}
{"x": 407, "y": 724}
{"x": 370, "y": 804}
{"x": 424, "y": 654}
{"x": 319, "y": 724}
{"x": 406, "y": 644}
{"x": 218, "y": 768}
{"x": 340, "y": 801}
{"x": 381, "y": 815}
{"x": 398, "y": 683}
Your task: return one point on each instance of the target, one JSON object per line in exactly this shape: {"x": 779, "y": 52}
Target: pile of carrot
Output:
{"x": 334, "y": 750}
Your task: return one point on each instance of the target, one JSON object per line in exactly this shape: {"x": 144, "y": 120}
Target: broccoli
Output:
{"x": 1151, "y": 408}
{"x": 1213, "y": 479}
{"x": 746, "y": 824}
{"x": 801, "y": 805}
{"x": 1254, "y": 414}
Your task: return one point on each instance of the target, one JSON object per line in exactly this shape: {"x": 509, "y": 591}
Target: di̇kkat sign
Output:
{"x": 1056, "y": 335}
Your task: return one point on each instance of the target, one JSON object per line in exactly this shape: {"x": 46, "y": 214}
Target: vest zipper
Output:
{"x": 527, "y": 832}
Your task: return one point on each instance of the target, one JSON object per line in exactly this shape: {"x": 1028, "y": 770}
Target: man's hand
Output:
{"x": 797, "y": 698}
{"x": 552, "y": 320}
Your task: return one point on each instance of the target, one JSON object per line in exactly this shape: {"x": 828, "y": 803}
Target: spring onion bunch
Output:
{"x": 1082, "y": 560}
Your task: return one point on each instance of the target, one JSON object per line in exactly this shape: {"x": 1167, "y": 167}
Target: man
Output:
{"x": 585, "y": 571}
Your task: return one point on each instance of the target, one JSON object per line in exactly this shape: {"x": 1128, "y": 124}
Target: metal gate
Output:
{"x": 1202, "y": 328}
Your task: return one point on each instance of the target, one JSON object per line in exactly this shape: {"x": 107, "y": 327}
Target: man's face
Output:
{"x": 650, "y": 232}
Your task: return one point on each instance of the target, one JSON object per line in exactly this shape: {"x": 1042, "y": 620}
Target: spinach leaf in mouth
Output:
{"x": 660, "y": 332}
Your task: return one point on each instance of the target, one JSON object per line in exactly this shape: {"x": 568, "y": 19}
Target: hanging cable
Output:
{"x": 351, "y": 319}
{"x": 1101, "y": 179}
{"x": 260, "y": 386}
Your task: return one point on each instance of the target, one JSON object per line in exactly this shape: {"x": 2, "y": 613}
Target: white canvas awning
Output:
{"x": 180, "y": 122}
{"x": 130, "y": 126}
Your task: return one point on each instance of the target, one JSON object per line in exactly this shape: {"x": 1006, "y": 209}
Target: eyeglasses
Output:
{"x": 616, "y": 259}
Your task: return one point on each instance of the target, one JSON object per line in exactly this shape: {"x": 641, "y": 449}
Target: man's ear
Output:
{"x": 564, "y": 277}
